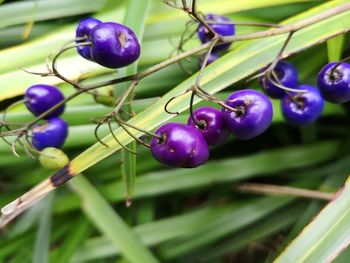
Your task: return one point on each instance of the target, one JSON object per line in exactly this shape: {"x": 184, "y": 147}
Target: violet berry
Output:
{"x": 40, "y": 97}
{"x": 211, "y": 125}
{"x": 304, "y": 108}
{"x": 253, "y": 113}
{"x": 212, "y": 57}
{"x": 287, "y": 76}
{"x": 83, "y": 30}
{"x": 53, "y": 133}
{"x": 182, "y": 146}
{"x": 114, "y": 45}
{"x": 335, "y": 87}
{"x": 221, "y": 29}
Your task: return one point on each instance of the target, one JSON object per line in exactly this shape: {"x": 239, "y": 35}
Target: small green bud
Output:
{"x": 53, "y": 158}
{"x": 105, "y": 96}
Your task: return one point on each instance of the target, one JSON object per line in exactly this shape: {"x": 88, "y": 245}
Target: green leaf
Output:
{"x": 160, "y": 231}
{"x": 21, "y": 12}
{"x": 335, "y": 48}
{"x": 326, "y": 236}
{"x": 229, "y": 69}
{"x": 109, "y": 222}
{"x": 135, "y": 18}
{"x": 80, "y": 230}
{"x": 225, "y": 7}
{"x": 254, "y": 233}
{"x": 214, "y": 172}
{"x": 42, "y": 241}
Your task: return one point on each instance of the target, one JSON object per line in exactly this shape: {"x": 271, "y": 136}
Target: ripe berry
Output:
{"x": 335, "y": 87}
{"x": 221, "y": 29}
{"x": 51, "y": 134}
{"x": 212, "y": 57}
{"x": 114, "y": 45}
{"x": 212, "y": 125}
{"x": 253, "y": 115}
{"x": 182, "y": 146}
{"x": 287, "y": 76}
{"x": 305, "y": 108}
{"x": 40, "y": 98}
{"x": 83, "y": 30}
{"x": 53, "y": 158}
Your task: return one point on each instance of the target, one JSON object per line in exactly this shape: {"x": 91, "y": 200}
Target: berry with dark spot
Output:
{"x": 181, "y": 146}
{"x": 114, "y": 45}
{"x": 53, "y": 133}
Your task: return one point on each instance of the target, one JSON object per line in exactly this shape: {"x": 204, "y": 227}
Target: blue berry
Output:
{"x": 253, "y": 113}
{"x": 83, "y": 30}
{"x": 222, "y": 29}
{"x": 287, "y": 76}
{"x": 335, "y": 87}
{"x": 303, "y": 108}
{"x": 40, "y": 97}
{"x": 51, "y": 134}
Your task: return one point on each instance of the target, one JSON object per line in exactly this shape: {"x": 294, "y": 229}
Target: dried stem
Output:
{"x": 284, "y": 190}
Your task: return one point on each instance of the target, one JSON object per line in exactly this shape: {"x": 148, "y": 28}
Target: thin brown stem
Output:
{"x": 284, "y": 190}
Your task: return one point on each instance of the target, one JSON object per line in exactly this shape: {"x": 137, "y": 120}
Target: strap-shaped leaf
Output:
{"x": 326, "y": 236}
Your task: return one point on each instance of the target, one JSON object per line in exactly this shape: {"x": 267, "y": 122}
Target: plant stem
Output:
{"x": 284, "y": 190}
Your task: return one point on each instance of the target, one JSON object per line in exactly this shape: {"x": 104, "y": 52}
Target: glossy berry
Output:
{"x": 83, "y": 30}
{"x": 222, "y": 29}
{"x": 114, "y": 45}
{"x": 182, "y": 146}
{"x": 53, "y": 158}
{"x": 305, "y": 108}
{"x": 253, "y": 115}
{"x": 51, "y": 134}
{"x": 212, "y": 57}
{"x": 287, "y": 76}
{"x": 211, "y": 125}
{"x": 335, "y": 87}
{"x": 40, "y": 98}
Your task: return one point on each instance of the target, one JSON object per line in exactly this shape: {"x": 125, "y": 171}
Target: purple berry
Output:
{"x": 40, "y": 98}
{"x": 221, "y": 29}
{"x": 114, "y": 45}
{"x": 51, "y": 134}
{"x": 212, "y": 125}
{"x": 287, "y": 75}
{"x": 253, "y": 113}
{"x": 182, "y": 146}
{"x": 304, "y": 108}
{"x": 335, "y": 87}
{"x": 212, "y": 57}
{"x": 83, "y": 30}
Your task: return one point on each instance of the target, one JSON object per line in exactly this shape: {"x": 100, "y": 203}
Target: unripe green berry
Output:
{"x": 53, "y": 158}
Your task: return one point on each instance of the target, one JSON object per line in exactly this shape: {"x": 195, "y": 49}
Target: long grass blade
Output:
{"x": 109, "y": 222}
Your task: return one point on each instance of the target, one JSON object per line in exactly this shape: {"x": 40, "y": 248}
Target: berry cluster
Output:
{"x": 304, "y": 104}
{"x": 109, "y": 44}
{"x": 300, "y": 104}
{"x": 247, "y": 114}
{"x": 38, "y": 99}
